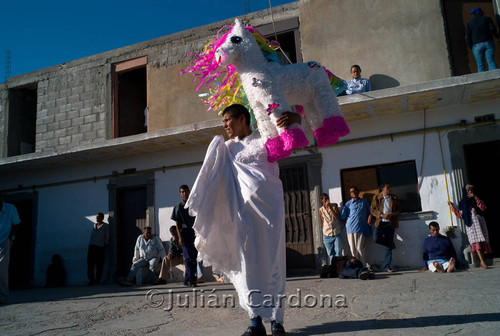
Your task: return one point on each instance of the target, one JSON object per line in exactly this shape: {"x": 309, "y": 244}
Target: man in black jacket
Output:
{"x": 479, "y": 37}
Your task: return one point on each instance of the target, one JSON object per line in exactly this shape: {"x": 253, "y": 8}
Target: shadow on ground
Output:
{"x": 374, "y": 324}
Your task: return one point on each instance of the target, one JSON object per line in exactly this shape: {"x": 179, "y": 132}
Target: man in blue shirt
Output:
{"x": 357, "y": 84}
{"x": 357, "y": 213}
{"x": 9, "y": 222}
{"x": 439, "y": 253}
{"x": 148, "y": 252}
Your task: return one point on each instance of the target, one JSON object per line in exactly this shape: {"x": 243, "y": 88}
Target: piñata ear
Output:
{"x": 237, "y": 23}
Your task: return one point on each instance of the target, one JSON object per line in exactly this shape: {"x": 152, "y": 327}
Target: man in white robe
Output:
{"x": 240, "y": 228}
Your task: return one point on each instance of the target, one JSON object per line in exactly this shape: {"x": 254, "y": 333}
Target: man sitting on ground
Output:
{"x": 354, "y": 270}
{"x": 148, "y": 252}
{"x": 173, "y": 258}
{"x": 439, "y": 253}
{"x": 346, "y": 267}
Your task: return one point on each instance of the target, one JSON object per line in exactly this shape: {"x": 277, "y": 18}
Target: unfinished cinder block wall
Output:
{"x": 75, "y": 99}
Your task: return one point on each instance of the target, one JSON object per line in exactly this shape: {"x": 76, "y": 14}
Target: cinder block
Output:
{"x": 73, "y": 130}
{"x": 90, "y": 118}
{"x": 98, "y": 125}
{"x": 60, "y": 116}
{"x": 85, "y": 110}
{"x": 89, "y": 103}
{"x": 60, "y": 133}
{"x": 102, "y": 116}
{"x": 98, "y": 108}
{"x": 72, "y": 114}
{"x": 77, "y": 121}
{"x": 53, "y": 95}
{"x": 65, "y": 123}
{"x": 90, "y": 135}
{"x": 86, "y": 95}
{"x": 61, "y": 101}
{"x": 65, "y": 140}
{"x": 40, "y": 145}
{"x": 85, "y": 128}
{"x": 53, "y": 111}
{"x": 50, "y": 104}
{"x": 42, "y": 113}
{"x": 65, "y": 93}
{"x": 52, "y": 142}
{"x": 74, "y": 98}
{"x": 52, "y": 127}
{"x": 48, "y": 119}
{"x": 90, "y": 87}
{"x": 48, "y": 135}
{"x": 76, "y": 138}
{"x": 101, "y": 134}
{"x": 78, "y": 105}
{"x": 77, "y": 90}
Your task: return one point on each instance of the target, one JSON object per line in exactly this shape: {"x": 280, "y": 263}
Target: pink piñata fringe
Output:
{"x": 294, "y": 138}
{"x": 275, "y": 150}
{"x": 332, "y": 129}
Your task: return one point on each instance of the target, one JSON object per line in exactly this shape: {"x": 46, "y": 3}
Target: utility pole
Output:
{"x": 8, "y": 56}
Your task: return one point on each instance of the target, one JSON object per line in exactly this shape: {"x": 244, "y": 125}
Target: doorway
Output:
{"x": 483, "y": 175}
{"x": 130, "y": 97}
{"x": 22, "y": 250}
{"x": 298, "y": 221}
{"x": 130, "y": 221}
{"x": 22, "y": 120}
{"x": 457, "y": 14}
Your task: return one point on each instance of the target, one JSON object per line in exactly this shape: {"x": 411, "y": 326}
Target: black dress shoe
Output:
{"x": 278, "y": 330}
{"x": 365, "y": 275}
{"x": 252, "y": 331}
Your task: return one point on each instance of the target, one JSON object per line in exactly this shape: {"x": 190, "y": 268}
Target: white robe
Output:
{"x": 240, "y": 228}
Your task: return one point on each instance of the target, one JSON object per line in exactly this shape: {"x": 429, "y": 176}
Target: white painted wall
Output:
{"x": 167, "y": 195}
{"x": 410, "y": 235}
{"x": 65, "y": 213}
{"x": 65, "y": 218}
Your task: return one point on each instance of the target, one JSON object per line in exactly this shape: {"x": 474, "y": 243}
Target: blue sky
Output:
{"x": 42, "y": 33}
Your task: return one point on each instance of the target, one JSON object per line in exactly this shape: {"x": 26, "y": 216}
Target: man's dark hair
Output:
{"x": 324, "y": 195}
{"x": 383, "y": 185}
{"x": 434, "y": 224}
{"x": 184, "y": 187}
{"x": 147, "y": 228}
{"x": 100, "y": 214}
{"x": 236, "y": 110}
{"x": 356, "y": 66}
{"x": 173, "y": 229}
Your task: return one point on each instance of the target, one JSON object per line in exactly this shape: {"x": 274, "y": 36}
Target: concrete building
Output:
{"x": 118, "y": 132}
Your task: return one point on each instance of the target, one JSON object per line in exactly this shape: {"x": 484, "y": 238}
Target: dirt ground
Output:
{"x": 402, "y": 303}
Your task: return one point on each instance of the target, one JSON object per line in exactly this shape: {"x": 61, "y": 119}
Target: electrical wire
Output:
{"x": 275, "y": 34}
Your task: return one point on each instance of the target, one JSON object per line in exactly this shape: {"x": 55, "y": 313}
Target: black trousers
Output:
{"x": 190, "y": 254}
{"x": 95, "y": 262}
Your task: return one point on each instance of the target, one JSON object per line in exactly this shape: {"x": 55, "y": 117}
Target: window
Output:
{"x": 130, "y": 97}
{"x": 402, "y": 176}
{"x": 22, "y": 120}
{"x": 287, "y": 34}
